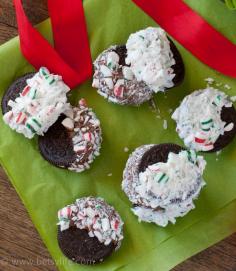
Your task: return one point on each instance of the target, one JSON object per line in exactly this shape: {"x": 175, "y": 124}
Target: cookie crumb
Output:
{"x": 109, "y": 174}
{"x": 126, "y": 149}
{"x": 165, "y": 124}
{"x": 218, "y": 153}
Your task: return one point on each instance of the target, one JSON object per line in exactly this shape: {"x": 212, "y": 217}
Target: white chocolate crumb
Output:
{"x": 68, "y": 123}
{"x": 126, "y": 149}
{"x": 227, "y": 86}
{"x": 109, "y": 174}
{"x": 209, "y": 80}
{"x": 233, "y": 98}
{"x": 218, "y": 153}
{"x": 165, "y": 124}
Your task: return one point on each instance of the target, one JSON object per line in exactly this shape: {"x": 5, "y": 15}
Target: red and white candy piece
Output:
{"x": 82, "y": 102}
{"x": 21, "y": 118}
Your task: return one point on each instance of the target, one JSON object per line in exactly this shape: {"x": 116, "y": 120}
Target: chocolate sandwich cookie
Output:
{"x": 115, "y": 81}
{"x": 206, "y": 120}
{"x": 154, "y": 59}
{"x": 74, "y": 140}
{"x": 34, "y": 102}
{"x": 14, "y": 91}
{"x": 89, "y": 230}
{"x": 161, "y": 181}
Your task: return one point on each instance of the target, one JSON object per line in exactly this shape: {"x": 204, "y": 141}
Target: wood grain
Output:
{"x": 21, "y": 248}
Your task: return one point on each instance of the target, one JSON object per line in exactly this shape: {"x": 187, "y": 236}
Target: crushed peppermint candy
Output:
{"x": 96, "y": 216}
{"x": 85, "y": 131}
{"x": 150, "y": 58}
{"x": 198, "y": 118}
{"x": 39, "y": 105}
{"x": 163, "y": 191}
{"x": 115, "y": 80}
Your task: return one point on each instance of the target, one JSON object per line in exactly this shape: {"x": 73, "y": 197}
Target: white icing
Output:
{"x": 171, "y": 186}
{"x": 198, "y": 118}
{"x": 39, "y": 104}
{"x": 151, "y": 59}
{"x": 96, "y": 216}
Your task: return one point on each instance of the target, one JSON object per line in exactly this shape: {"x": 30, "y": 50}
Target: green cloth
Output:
{"x": 44, "y": 189}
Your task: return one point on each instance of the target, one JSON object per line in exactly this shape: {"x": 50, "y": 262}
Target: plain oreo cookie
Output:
{"x": 56, "y": 145}
{"x": 79, "y": 247}
{"x": 158, "y": 153}
{"x": 14, "y": 91}
{"x": 74, "y": 140}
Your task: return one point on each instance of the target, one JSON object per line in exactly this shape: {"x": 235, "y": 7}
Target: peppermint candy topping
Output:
{"x": 85, "y": 131}
{"x": 96, "y": 216}
{"x": 39, "y": 105}
{"x": 198, "y": 118}
{"x": 150, "y": 58}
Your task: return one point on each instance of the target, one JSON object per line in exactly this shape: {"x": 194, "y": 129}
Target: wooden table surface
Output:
{"x": 21, "y": 248}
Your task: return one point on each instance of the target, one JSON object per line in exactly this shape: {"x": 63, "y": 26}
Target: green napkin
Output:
{"x": 44, "y": 189}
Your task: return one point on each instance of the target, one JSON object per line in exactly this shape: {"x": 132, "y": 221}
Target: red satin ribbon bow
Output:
{"x": 72, "y": 58}
{"x": 193, "y": 32}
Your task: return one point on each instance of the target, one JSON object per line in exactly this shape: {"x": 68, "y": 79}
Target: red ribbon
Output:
{"x": 72, "y": 60}
{"x": 193, "y": 32}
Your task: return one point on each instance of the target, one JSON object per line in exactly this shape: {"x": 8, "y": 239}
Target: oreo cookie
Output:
{"x": 56, "y": 145}
{"x": 161, "y": 181}
{"x": 89, "y": 230}
{"x": 34, "y": 102}
{"x": 74, "y": 140}
{"x": 79, "y": 247}
{"x": 115, "y": 81}
{"x": 158, "y": 153}
{"x": 206, "y": 120}
{"x": 14, "y": 91}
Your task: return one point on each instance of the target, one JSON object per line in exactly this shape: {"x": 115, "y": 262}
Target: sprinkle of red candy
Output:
{"x": 25, "y": 90}
{"x": 199, "y": 140}
{"x": 118, "y": 91}
{"x": 116, "y": 225}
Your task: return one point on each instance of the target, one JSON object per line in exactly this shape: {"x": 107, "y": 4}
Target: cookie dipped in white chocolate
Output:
{"x": 199, "y": 121}
{"x": 150, "y": 58}
{"x": 39, "y": 104}
{"x": 164, "y": 190}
